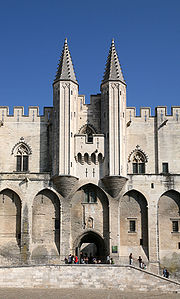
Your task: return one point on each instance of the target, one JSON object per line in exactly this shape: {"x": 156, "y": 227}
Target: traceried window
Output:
{"x": 138, "y": 163}
{"x": 89, "y": 131}
{"x": 22, "y": 158}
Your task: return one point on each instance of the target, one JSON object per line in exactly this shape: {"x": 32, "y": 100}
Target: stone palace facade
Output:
{"x": 91, "y": 177}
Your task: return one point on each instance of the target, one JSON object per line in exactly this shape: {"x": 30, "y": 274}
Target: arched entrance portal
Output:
{"x": 92, "y": 245}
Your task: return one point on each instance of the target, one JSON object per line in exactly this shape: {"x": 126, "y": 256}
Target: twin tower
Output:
{"x": 89, "y": 140}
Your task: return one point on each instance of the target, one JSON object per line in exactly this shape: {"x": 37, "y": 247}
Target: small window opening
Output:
{"x": 152, "y": 185}
{"x": 165, "y": 168}
{"x": 141, "y": 242}
{"x": 90, "y": 138}
{"x": 132, "y": 226}
{"x": 90, "y": 196}
{"x": 175, "y": 226}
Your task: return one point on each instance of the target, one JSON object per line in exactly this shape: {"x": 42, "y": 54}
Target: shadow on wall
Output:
{"x": 45, "y": 158}
{"x": 46, "y": 224}
{"x": 10, "y": 228}
{"x": 168, "y": 231}
{"x": 134, "y": 222}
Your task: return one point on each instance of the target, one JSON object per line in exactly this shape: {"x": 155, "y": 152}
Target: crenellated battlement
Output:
{"x": 160, "y": 112}
{"x": 32, "y": 116}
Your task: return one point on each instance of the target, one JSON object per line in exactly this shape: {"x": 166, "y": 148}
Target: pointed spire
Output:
{"x": 65, "y": 69}
{"x": 113, "y": 70}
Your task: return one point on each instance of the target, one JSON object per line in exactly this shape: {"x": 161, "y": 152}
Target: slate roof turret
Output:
{"x": 65, "y": 70}
{"x": 113, "y": 71}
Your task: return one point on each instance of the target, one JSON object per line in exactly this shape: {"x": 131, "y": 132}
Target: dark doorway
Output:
{"x": 92, "y": 245}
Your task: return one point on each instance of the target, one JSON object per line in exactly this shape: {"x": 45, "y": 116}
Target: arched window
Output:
{"x": 22, "y": 158}
{"x": 138, "y": 162}
{"x": 86, "y": 157}
{"x": 79, "y": 156}
{"x": 100, "y": 158}
{"x": 89, "y": 131}
{"x": 93, "y": 158}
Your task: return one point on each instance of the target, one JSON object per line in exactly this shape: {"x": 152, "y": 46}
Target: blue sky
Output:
{"x": 147, "y": 39}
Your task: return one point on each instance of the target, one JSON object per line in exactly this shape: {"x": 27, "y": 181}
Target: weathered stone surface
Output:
{"x": 65, "y": 184}
{"x": 83, "y": 276}
{"x": 114, "y": 184}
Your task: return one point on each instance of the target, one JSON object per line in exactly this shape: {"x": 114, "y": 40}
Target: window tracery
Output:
{"x": 22, "y": 151}
{"x": 88, "y": 130}
{"x": 138, "y": 161}
{"x": 22, "y": 156}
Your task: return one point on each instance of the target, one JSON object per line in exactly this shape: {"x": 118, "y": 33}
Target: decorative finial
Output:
{"x": 65, "y": 40}
{"x": 112, "y": 40}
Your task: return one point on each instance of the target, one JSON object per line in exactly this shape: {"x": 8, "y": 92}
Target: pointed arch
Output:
{"x": 21, "y": 146}
{"x": 46, "y": 220}
{"x": 87, "y": 128}
{"x": 22, "y": 151}
{"x": 90, "y": 210}
{"x": 10, "y": 211}
{"x": 137, "y": 160}
{"x": 168, "y": 229}
{"x": 134, "y": 224}
{"x": 91, "y": 237}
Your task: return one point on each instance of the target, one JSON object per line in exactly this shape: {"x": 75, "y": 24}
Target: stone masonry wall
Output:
{"x": 83, "y": 276}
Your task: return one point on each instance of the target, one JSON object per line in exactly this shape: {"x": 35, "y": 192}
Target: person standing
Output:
{"x": 69, "y": 259}
{"x": 130, "y": 259}
{"x": 140, "y": 261}
{"x": 108, "y": 259}
{"x": 76, "y": 260}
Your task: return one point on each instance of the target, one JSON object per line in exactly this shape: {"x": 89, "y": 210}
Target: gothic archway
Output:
{"x": 90, "y": 216}
{"x": 134, "y": 224}
{"x": 46, "y": 224}
{"x": 169, "y": 229}
{"x": 91, "y": 244}
{"x": 10, "y": 226}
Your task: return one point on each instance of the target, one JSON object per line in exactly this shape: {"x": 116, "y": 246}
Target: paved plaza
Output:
{"x": 12, "y": 293}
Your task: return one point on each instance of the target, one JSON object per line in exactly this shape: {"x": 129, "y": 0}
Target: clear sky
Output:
{"x": 147, "y": 39}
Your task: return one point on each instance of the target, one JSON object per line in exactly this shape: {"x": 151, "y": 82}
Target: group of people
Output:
{"x": 71, "y": 259}
{"x": 84, "y": 259}
{"x": 142, "y": 265}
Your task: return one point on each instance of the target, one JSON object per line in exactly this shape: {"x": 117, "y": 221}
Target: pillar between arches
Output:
{"x": 65, "y": 248}
{"x": 25, "y": 234}
{"x": 153, "y": 234}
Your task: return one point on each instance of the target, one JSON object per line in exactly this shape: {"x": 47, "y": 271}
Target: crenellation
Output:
{"x": 18, "y": 112}
{"x": 33, "y": 112}
{"x": 145, "y": 113}
{"x": 130, "y": 113}
{"x": 19, "y": 116}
